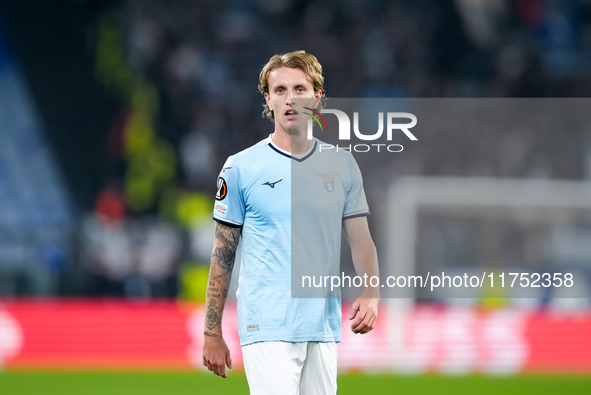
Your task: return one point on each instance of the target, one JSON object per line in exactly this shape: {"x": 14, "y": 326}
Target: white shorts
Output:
{"x": 305, "y": 368}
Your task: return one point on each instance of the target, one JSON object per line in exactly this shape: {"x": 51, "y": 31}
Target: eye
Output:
{"x": 279, "y": 90}
{"x": 300, "y": 90}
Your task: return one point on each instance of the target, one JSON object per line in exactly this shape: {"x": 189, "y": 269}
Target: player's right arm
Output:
{"x": 216, "y": 354}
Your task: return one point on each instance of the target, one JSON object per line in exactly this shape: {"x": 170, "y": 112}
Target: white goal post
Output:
{"x": 407, "y": 195}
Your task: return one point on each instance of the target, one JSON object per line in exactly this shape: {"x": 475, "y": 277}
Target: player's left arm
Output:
{"x": 364, "y": 311}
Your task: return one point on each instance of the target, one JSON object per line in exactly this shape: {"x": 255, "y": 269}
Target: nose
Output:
{"x": 288, "y": 96}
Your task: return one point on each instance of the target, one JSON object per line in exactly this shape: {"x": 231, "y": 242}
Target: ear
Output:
{"x": 317, "y": 97}
{"x": 267, "y": 100}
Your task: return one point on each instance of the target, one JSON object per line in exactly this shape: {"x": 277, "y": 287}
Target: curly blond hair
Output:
{"x": 296, "y": 60}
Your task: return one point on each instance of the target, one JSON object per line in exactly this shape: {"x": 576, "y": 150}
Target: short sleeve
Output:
{"x": 355, "y": 201}
{"x": 229, "y": 200}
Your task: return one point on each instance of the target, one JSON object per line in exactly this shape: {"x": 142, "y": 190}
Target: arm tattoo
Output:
{"x": 220, "y": 272}
{"x": 212, "y": 318}
{"x": 225, "y": 253}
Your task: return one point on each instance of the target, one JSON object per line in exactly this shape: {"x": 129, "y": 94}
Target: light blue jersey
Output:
{"x": 255, "y": 193}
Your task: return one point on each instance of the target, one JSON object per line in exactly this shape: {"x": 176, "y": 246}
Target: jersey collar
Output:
{"x": 299, "y": 158}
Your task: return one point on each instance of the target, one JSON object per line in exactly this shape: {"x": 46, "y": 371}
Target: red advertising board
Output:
{"x": 408, "y": 338}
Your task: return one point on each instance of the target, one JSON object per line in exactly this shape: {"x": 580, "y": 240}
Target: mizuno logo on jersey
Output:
{"x": 329, "y": 184}
{"x": 272, "y": 184}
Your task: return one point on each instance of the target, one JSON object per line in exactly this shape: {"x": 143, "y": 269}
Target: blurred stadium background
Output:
{"x": 116, "y": 116}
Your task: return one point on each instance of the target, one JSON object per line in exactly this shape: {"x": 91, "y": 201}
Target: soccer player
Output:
{"x": 289, "y": 344}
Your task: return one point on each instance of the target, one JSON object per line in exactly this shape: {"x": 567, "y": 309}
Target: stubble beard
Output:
{"x": 296, "y": 130}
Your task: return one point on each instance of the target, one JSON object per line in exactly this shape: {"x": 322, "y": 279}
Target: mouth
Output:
{"x": 290, "y": 113}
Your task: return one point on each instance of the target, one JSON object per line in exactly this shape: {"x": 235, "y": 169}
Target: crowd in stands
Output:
{"x": 205, "y": 58}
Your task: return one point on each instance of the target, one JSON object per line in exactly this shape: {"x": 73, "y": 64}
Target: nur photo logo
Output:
{"x": 390, "y": 122}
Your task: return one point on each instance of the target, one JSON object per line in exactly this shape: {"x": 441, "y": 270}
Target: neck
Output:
{"x": 293, "y": 143}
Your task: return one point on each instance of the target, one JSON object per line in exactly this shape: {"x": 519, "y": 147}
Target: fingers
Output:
{"x": 366, "y": 326}
{"x": 216, "y": 356}
{"x": 221, "y": 370}
{"x": 363, "y": 327}
{"x": 217, "y": 369}
{"x": 354, "y": 310}
{"x": 358, "y": 324}
{"x": 365, "y": 319}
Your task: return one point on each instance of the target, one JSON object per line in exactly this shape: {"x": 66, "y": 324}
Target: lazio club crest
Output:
{"x": 329, "y": 184}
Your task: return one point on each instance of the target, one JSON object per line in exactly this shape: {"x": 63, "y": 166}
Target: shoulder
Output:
{"x": 247, "y": 154}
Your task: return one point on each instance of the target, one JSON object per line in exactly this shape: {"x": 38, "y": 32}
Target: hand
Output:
{"x": 364, "y": 313}
{"x": 216, "y": 355}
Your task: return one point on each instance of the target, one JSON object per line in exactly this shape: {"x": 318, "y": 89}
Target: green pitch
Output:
{"x": 194, "y": 383}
